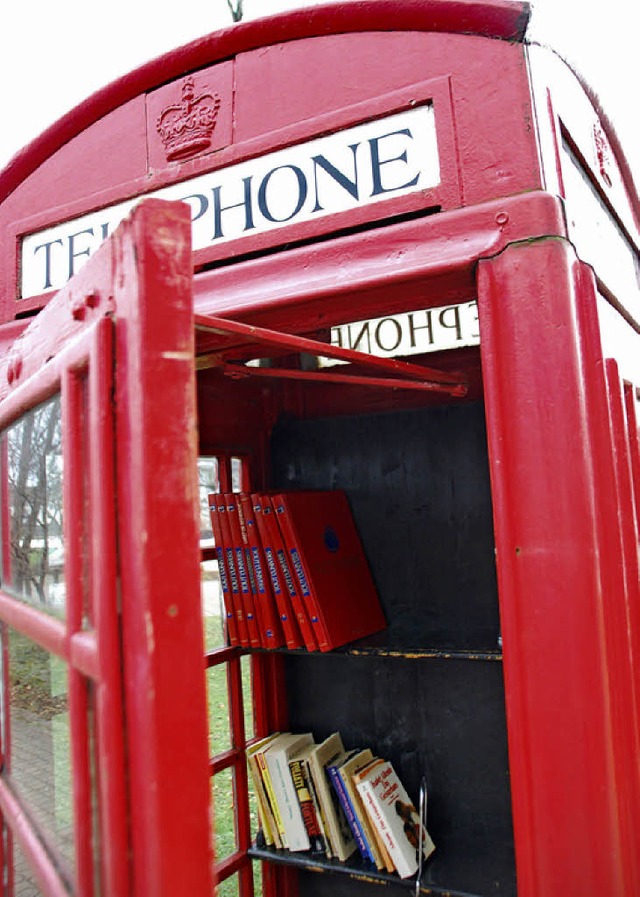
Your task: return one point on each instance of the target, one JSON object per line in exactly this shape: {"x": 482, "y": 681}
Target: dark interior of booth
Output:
{"x": 427, "y": 692}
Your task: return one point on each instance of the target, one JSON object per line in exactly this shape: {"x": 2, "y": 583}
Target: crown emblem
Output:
{"x": 186, "y": 128}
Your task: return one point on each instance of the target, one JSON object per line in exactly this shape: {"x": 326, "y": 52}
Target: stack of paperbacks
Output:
{"x": 292, "y": 570}
{"x": 334, "y": 803}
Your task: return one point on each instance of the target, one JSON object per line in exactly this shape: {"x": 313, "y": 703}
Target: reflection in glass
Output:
{"x": 39, "y": 764}
{"x": 237, "y": 471}
{"x": 218, "y": 701}
{"x": 212, "y": 605}
{"x": 208, "y": 481}
{"x": 246, "y": 665}
{"x": 230, "y": 887}
{"x": 33, "y": 451}
{"x": 224, "y": 815}
{"x": 24, "y": 881}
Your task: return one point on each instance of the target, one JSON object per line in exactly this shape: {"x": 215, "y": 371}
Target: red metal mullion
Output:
{"x": 622, "y": 615}
{"x": 110, "y": 724}
{"x": 238, "y": 740}
{"x": 255, "y": 334}
{"x": 75, "y": 539}
{"x": 225, "y": 760}
{"x": 224, "y": 472}
{"x": 239, "y": 370}
{"x": 82, "y": 798}
{"x": 231, "y": 864}
{"x": 5, "y": 510}
{"x": 221, "y": 655}
{"x": 601, "y": 390}
{"x": 48, "y": 632}
{"x": 269, "y": 694}
{"x": 634, "y": 445}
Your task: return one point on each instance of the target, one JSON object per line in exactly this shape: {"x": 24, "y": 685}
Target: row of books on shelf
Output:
{"x": 292, "y": 569}
{"x": 335, "y": 803}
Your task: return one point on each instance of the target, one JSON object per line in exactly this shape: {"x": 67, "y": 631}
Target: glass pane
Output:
{"x": 257, "y": 879}
{"x": 247, "y": 695}
{"x": 39, "y": 762}
{"x": 24, "y": 881}
{"x": 237, "y": 470}
{"x": 208, "y": 481}
{"x": 213, "y": 618}
{"x": 34, "y": 572}
{"x": 229, "y": 887}
{"x": 223, "y": 813}
{"x": 218, "y": 699}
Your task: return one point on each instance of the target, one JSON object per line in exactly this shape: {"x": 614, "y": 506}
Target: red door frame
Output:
{"x": 82, "y": 375}
{"x": 156, "y": 836}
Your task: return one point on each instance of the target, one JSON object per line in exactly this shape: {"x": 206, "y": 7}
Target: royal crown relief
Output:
{"x": 186, "y": 128}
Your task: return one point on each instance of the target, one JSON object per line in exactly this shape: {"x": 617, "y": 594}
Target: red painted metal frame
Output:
{"x": 157, "y": 500}
{"x": 82, "y": 374}
{"x": 633, "y": 435}
{"x": 156, "y": 840}
{"x": 559, "y": 575}
{"x": 418, "y": 377}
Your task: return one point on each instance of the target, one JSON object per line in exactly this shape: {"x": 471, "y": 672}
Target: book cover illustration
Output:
{"x": 394, "y": 815}
{"x": 311, "y": 816}
{"x": 277, "y": 759}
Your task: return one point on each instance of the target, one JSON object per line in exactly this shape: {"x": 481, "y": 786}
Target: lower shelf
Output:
{"x": 441, "y": 875}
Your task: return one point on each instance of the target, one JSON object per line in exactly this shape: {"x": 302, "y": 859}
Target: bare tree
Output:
{"x": 235, "y": 9}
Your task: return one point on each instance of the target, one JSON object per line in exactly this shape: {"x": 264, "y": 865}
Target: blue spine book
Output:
{"x": 349, "y": 810}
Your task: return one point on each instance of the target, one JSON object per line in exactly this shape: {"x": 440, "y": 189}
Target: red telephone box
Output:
{"x": 388, "y": 248}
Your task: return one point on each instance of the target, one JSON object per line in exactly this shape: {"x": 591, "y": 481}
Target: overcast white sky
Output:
{"x": 55, "y": 54}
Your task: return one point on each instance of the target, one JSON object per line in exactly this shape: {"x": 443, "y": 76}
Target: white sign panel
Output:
{"x": 597, "y": 237}
{"x": 392, "y": 156}
{"x": 619, "y": 341}
{"x": 411, "y": 333}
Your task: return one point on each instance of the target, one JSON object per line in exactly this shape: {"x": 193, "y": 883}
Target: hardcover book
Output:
{"x": 277, "y": 759}
{"x": 244, "y": 580}
{"x": 223, "y": 573}
{"x": 266, "y": 608}
{"x": 341, "y": 840}
{"x": 329, "y": 561}
{"x": 265, "y": 812}
{"x": 288, "y": 578}
{"x": 347, "y": 805}
{"x": 290, "y": 626}
{"x": 394, "y": 816}
{"x": 298, "y": 765}
{"x": 259, "y": 755}
{"x": 345, "y": 773}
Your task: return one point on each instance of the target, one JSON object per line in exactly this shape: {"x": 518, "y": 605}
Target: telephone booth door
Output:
{"x": 104, "y": 781}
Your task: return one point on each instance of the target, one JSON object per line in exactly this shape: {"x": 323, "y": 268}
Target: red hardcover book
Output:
{"x": 266, "y": 608}
{"x": 234, "y": 582}
{"x": 290, "y": 579}
{"x": 326, "y": 552}
{"x": 263, "y": 514}
{"x": 244, "y": 580}
{"x": 230, "y": 612}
